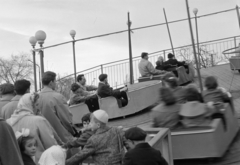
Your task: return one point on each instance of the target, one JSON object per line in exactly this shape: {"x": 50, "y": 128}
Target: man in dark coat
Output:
{"x": 141, "y": 153}
{"x": 104, "y": 90}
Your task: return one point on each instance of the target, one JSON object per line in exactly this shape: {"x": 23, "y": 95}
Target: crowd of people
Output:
{"x": 37, "y": 129}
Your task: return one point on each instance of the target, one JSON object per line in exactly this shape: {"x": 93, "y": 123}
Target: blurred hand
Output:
{"x": 124, "y": 89}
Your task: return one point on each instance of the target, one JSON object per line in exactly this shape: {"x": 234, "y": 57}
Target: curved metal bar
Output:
{"x": 225, "y": 51}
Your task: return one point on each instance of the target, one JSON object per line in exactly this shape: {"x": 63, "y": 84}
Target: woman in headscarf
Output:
{"x": 25, "y": 116}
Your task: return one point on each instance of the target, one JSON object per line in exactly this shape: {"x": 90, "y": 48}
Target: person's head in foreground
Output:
{"x": 135, "y": 136}
{"x": 86, "y": 120}
{"x": 166, "y": 96}
{"x": 22, "y": 86}
{"x": 7, "y": 89}
{"x": 171, "y": 82}
{"x": 27, "y": 143}
{"x": 211, "y": 83}
{"x": 103, "y": 78}
{"x": 99, "y": 119}
{"x": 49, "y": 79}
{"x": 54, "y": 155}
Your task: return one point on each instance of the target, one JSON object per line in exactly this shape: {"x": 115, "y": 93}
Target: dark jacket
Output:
{"x": 160, "y": 66}
{"x": 81, "y": 141}
{"x": 104, "y": 90}
{"x": 144, "y": 154}
{"x": 27, "y": 160}
{"x": 174, "y": 63}
{"x": 215, "y": 95}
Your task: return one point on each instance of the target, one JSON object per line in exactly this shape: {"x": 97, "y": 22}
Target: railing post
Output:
{"x": 101, "y": 69}
{"x": 235, "y": 42}
{"x": 212, "y": 60}
{"x": 164, "y": 55}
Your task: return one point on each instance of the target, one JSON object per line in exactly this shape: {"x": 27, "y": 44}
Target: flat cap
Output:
{"x": 170, "y": 55}
{"x": 102, "y": 77}
{"x": 136, "y": 134}
{"x": 6, "y": 88}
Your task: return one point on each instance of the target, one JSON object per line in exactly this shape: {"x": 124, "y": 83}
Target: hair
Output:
{"x": 192, "y": 94}
{"x": 22, "y": 142}
{"x": 75, "y": 87}
{"x": 211, "y": 82}
{"x": 79, "y": 77}
{"x": 102, "y": 77}
{"x": 172, "y": 82}
{"x": 167, "y": 96}
{"x": 21, "y": 86}
{"x": 7, "y": 88}
{"x": 86, "y": 117}
{"x": 48, "y": 77}
{"x": 144, "y": 54}
{"x": 170, "y": 55}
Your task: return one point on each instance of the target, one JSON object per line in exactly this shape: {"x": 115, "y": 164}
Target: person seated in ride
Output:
{"x": 104, "y": 90}
{"x": 199, "y": 95}
{"x": 85, "y": 134}
{"x": 194, "y": 113}
{"x": 160, "y": 64}
{"x": 213, "y": 93}
{"x": 86, "y": 89}
{"x": 141, "y": 153}
{"x": 165, "y": 114}
{"x": 178, "y": 91}
{"x": 171, "y": 64}
{"x": 76, "y": 97}
{"x": 146, "y": 68}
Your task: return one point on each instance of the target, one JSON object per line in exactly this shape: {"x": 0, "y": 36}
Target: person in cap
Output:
{"x": 141, "y": 153}
{"x": 106, "y": 145}
{"x": 146, "y": 68}
{"x": 165, "y": 114}
{"x": 104, "y": 90}
{"x": 178, "y": 91}
{"x": 54, "y": 108}
{"x": 21, "y": 87}
{"x": 194, "y": 113}
{"x": 7, "y": 92}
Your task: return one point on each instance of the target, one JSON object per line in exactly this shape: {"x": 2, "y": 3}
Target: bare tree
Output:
{"x": 17, "y": 67}
{"x": 64, "y": 86}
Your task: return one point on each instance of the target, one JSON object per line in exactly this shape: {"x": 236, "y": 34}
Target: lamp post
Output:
{"x": 73, "y": 33}
{"x": 129, "y": 23}
{"x": 33, "y": 42}
{"x": 39, "y": 75}
{"x": 40, "y": 37}
{"x": 195, "y": 11}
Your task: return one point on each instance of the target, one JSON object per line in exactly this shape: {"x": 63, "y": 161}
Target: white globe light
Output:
{"x": 40, "y": 36}
{"x": 32, "y": 41}
{"x": 195, "y": 11}
{"x": 72, "y": 33}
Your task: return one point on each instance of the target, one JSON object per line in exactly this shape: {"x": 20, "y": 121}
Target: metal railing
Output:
{"x": 118, "y": 71}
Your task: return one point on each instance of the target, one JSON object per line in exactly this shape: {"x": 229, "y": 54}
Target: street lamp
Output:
{"x": 73, "y": 33}
{"x": 40, "y": 37}
{"x": 129, "y": 23}
{"x": 195, "y": 11}
{"x": 39, "y": 74}
{"x": 33, "y": 42}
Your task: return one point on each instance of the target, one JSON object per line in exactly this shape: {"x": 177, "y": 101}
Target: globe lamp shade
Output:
{"x": 32, "y": 41}
{"x": 195, "y": 11}
{"x": 73, "y": 33}
{"x": 40, "y": 36}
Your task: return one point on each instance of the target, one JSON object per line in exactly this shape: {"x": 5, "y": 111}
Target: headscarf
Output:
{"x": 25, "y": 108}
{"x": 160, "y": 58}
{"x": 54, "y": 155}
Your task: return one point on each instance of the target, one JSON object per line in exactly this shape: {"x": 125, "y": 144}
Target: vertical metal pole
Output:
{"x": 34, "y": 69}
{"x": 74, "y": 61}
{"x": 168, "y": 31}
{"x": 101, "y": 69}
{"x": 193, "y": 45}
{"x": 238, "y": 15}
{"x": 40, "y": 86}
{"x": 235, "y": 42}
{"x": 199, "y": 61}
{"x": 130, "y": 50}
{"x": 41, "y": 60}
{"x": 164, "y": 54}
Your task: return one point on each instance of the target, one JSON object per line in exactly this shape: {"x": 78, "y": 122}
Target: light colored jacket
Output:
{"x": 103, "y": 146}
{"x": 10, "y": 107}
{"x": 54, "y": 108}
{"x": 146, "y": 68}
{"x": 39, "y": 128}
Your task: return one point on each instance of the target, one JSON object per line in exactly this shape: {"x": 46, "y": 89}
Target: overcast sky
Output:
{"x": 20, "y": 19}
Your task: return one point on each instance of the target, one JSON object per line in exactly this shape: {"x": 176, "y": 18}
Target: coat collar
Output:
{"x": 16, "y": 98}
{"x": 142, "y": 145}
{"x": 46, "y": 89}
{"x": 102, "y": 130}
{"x": 6, "y": 97}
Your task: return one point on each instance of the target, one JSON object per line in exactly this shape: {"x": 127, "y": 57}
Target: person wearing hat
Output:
{"x": 146, "y": 68}
{"x": 179, "y": 92}
{"x": 141, "y": 153}
{"x": 7, "y": 92}
{"x": 104, "y": 90}
{"x": 194, "y": 113}
{"x": 106, "y": 145}
{"x": 21, "y": 87}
